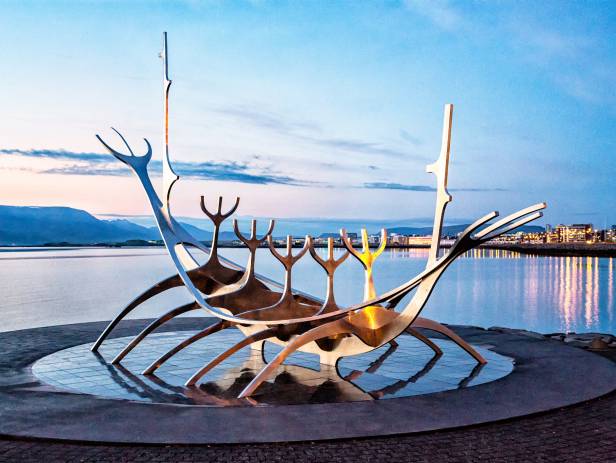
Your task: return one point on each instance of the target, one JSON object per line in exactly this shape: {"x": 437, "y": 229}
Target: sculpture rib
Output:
{"x": 257, "y": 337}
{"x": 160, "y": 287}
{"x": 440, "y": 328}
{"x": 426, "y": 340}
{"x": 214, "y": 328}
{"x": 152, "y": 326}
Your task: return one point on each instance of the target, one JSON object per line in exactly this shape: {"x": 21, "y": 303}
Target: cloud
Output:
{"x": 400, "y": 186}
{"x": 230, "y": 172}
{"x": 397, "y": 186}
{"x": 310, "y": 164}
{"x": 440, "y": 12}
{"x": 310, "y": 133}
{"x": 358, "y": 146}
{"x": 550, "y": 43}
{"x": 57, "y": 154}
{"x": 224, "y": 171}
{"x": 406, "y": 136}
{"x": 479, "y": 189}
{"x": 585, "y": 213}
{"x": 80, "y": 169}
{"x": 570, "y": 48}
{"x": 266, "y": 120}
{"x": 583, "y": 61}
{"x": 103, "y": 164}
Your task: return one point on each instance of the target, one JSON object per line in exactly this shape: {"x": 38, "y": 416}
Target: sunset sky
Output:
{"x": 314, "y": 109}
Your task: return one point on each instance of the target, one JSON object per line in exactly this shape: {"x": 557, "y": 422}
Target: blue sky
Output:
{"x": 315, "y": 109}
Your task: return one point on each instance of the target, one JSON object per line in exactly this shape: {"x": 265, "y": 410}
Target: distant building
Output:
{"x": 610, "y": 235}
{"x": 576, "y": 233}
{"x": 352, "y": 237}
{"x": 397, "y": 240}
{"x": 551, "y": 234}
{"x": 508, "y": 238}
{"x": 419, "y": 240}
{"x": 534, "y": 237}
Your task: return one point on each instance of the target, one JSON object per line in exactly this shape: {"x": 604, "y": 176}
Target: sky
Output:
{"x": 325, "y": 109}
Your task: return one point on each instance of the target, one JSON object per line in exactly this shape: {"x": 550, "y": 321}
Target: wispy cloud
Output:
{"x": 397, "y": 186}
{"x": 406, "y": 136}
{"x": 57, "y": 154}
{"x": 584, "y": 71}
{"x": 80, "y": 169}
{"x": 579, "y": 61}
{"x": 358, "y": 146}
{"x": 103, "y": 164}
{"x": 229, "y": 172}
{"x": 311, "y": 133}
{"x": 440, "y": 12}
{"x": 400, "y": 186}
{"x": 266, "y": 120}
{"x": 583, "y": 214}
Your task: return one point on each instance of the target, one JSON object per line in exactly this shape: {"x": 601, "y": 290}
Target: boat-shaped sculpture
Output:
{"x": 267, "y": 311}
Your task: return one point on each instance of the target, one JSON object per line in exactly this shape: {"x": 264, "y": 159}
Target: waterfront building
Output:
{"x": 576, "y": 233}
{"x": 420, "y": 240}
{"x": 610, "y": 234}
{"x": 509, "y": 238}
{"x": 551, "y": 235}
{"x": 534, "y": 237}
{"x": 397, "y": 240}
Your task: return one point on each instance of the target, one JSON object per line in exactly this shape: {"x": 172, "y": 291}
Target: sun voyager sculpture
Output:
{"x": 268, "y": 311}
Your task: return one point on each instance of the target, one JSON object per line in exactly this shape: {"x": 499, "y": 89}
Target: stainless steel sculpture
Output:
{"x": 264, "y": 310}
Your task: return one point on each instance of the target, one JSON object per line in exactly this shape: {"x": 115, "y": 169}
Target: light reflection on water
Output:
{"x": 485, "y": 287}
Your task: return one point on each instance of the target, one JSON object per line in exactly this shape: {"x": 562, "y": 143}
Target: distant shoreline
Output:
{"x": 546, "y": 249}
{"x": 560, "y": 249}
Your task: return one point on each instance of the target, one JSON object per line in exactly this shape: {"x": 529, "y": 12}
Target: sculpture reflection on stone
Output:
{"x": 265, "y": 310}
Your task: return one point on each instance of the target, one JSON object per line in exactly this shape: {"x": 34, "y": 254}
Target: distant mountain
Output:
{"x": 41, "y": 225}
{"x": 198, "y": 233}
{"x": 296, "y": 226}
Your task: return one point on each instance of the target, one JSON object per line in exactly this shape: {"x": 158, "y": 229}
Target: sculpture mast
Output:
{"x": 169, "y": 176}
{"x": 441, "y": 169}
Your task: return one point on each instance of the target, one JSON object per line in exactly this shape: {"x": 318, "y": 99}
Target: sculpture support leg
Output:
{"x": 323, "y": 331}
{"x": 214, "y": 328}
{"x": 257, "y": 337}
{"x": 152, "y": 326}
{"x": 162, "y": 286}
{"x": 427, "y": 341}
{"x": 439, "y": 328}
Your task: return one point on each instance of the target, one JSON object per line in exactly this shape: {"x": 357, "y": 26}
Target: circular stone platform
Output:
{"x": 52, "y": 386}
{"x": 407, "y": 369}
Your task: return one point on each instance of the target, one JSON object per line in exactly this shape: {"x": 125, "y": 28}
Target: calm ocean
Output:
{"x": 485, "y": 288}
